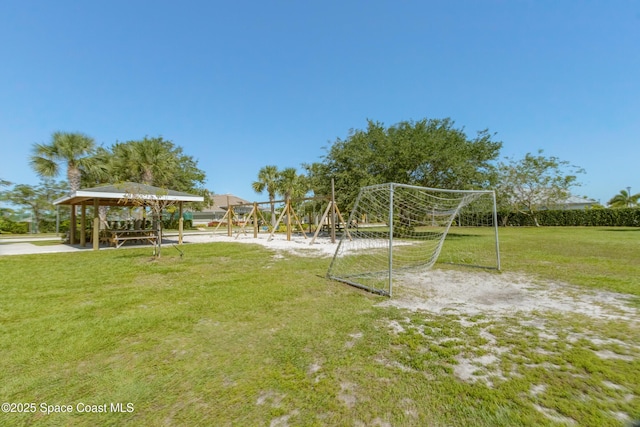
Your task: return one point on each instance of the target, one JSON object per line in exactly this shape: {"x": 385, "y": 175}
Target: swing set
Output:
{"x": 331, "y": 220}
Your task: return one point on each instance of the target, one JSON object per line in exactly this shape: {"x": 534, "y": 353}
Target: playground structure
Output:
{"x": 330, "y": 221}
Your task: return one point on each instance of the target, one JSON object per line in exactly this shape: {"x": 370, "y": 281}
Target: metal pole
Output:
{"x": 390, "y": 239}
{"x": 495, "y": 226}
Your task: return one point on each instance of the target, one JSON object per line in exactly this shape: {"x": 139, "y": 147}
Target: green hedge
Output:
{"x": 587, "y": 217}
{"x": 172, "y": 224}
{"x": 12, "y": 227}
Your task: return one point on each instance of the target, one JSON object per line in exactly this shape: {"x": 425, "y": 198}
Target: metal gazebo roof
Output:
{"x": 120, "y": 194}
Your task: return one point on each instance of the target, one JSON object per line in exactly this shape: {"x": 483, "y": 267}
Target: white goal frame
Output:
{"x": 411, "y": 223}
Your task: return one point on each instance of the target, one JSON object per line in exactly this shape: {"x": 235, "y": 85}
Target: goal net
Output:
{"x": 397, "y": 229}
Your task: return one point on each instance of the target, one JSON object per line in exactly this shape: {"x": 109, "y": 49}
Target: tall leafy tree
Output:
{"x": 37, "y": 199}
{"x": 429, "y": 152}
{"x": 624, "y": 199}
{"x": 267, "y": 180}
{"x": 535, "y": 182}
{"x": 70, "y": 150}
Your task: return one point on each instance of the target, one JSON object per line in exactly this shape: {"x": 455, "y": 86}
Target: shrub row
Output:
{"x": 173, "y": 224}
{"x": 568, "y": 218}
{"x": 12, "y": 227}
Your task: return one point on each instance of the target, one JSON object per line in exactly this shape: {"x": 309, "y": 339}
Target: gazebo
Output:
{"x": 125, "y": 194}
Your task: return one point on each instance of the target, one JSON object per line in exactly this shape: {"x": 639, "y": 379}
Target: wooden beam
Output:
{"x": 321, "y": 224}
{"x": 96, "y": 225}
{"x": 288, "y": 209}
{"x": 255, "y": 220}
{"x": 72, "y": 226}
{"x": 230, "y": 218}
{"x": 180, "y": 224}
{"x": 332, "y": 218}
{"x": 83, "y": 225}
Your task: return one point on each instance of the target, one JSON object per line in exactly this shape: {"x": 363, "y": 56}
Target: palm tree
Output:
{"x": 268, "y": 180}
{"x": 291, "y": 185}
{"x": 73, "y": 150}
{"x": 150, "y": 161}
{"x": 624, "y": 199}
{"x": 99, "y": 170}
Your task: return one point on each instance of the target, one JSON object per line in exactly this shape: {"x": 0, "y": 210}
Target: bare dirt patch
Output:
{"x": 501, "y": 294}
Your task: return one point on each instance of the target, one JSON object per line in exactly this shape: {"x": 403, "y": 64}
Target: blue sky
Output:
{"x": 240, "y": 85}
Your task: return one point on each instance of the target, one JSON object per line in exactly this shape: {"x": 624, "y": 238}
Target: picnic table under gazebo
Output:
{"x": 125, "y": 194}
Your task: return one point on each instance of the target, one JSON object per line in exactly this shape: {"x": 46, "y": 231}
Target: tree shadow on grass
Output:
{"x": 454, "y": 236}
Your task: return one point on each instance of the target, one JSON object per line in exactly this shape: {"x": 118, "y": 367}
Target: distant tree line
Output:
{"x": 429, "y": 152}
{"x": 435, "y": 153}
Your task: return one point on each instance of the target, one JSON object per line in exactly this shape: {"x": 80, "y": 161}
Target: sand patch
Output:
{"x": 501, "y": 294}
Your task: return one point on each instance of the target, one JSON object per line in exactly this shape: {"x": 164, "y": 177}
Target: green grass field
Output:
{"x": 231, "y": 334}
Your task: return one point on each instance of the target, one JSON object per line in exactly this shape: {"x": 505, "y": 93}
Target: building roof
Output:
{"x": 116, "y": 194}
{"x": 578, "y": 200}
{"x": 221, "y": 202}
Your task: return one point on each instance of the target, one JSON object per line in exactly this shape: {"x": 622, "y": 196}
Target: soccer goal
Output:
{"x": 395, "y": 229}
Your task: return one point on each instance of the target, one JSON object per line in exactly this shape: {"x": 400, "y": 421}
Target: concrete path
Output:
{"x": 23, "y": 246}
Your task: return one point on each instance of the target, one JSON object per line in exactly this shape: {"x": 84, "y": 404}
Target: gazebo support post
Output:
{"x": 72, "y": 226}
{"x": 83, "y": 225}
{"x": 96, "y": 225}
{"x": 255, "y": 220}
{"x": 180, "y": 225}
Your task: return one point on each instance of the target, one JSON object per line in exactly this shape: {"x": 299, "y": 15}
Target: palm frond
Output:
{"x": 44, "y": 167}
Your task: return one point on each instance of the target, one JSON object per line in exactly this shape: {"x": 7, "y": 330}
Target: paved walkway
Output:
{"x": 298, "y": 243}
{"x": 24, "y": 246}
